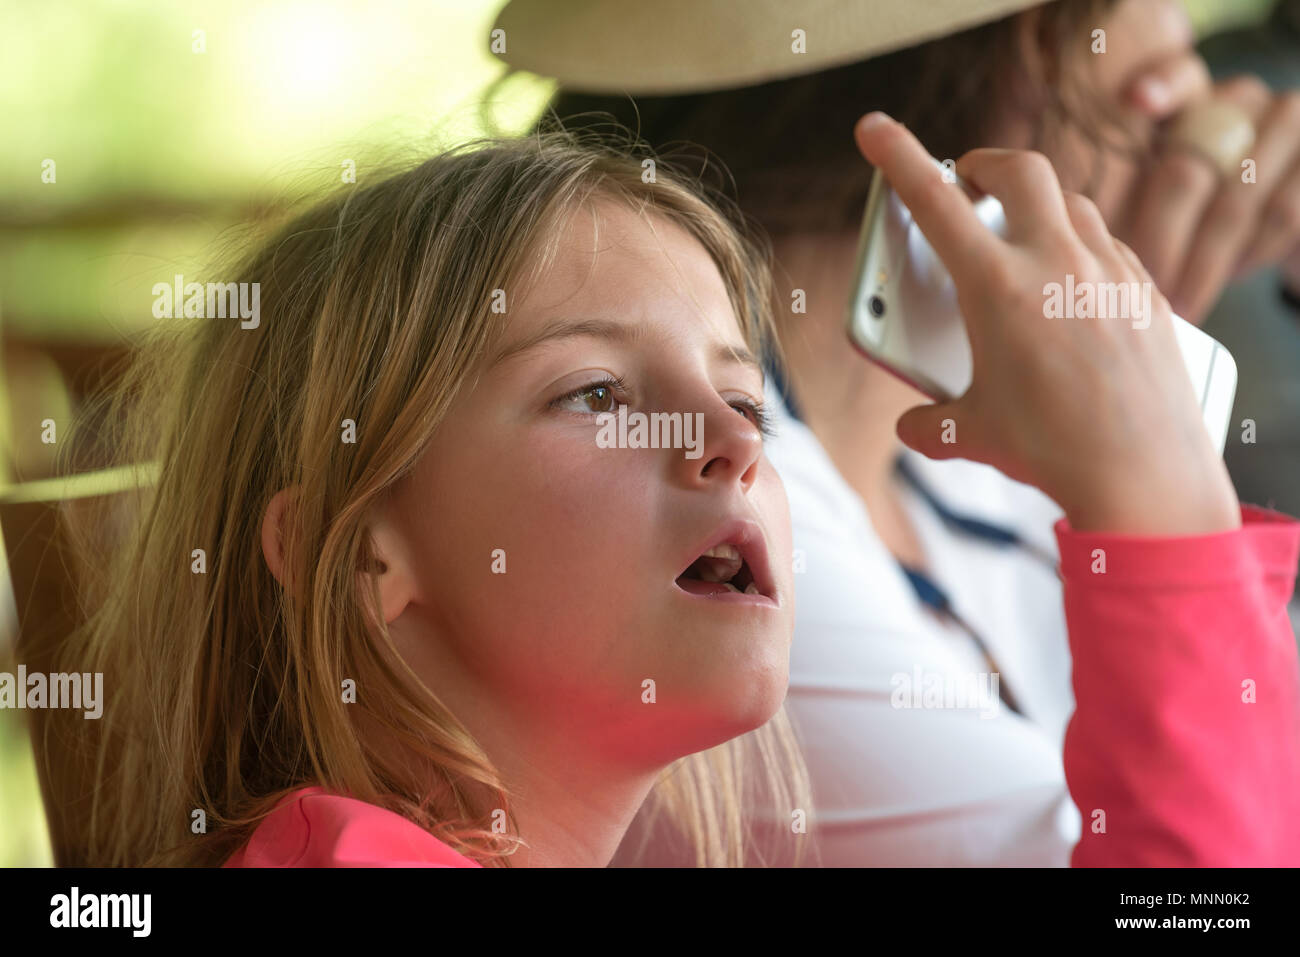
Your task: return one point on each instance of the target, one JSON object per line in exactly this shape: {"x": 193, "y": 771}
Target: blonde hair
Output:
{"x": 224, "y": 693}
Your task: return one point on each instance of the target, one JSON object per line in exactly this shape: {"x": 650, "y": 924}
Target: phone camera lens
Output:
{"x": 877, "y": 306}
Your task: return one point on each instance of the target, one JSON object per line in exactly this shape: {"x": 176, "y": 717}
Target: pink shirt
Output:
{"x": 1184, "y": 748}
{"x": 313, "y": 828}
{"x": 1186, "y": 730}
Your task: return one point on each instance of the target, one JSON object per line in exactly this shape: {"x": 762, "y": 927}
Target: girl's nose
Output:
{"x": 727, "y": 448}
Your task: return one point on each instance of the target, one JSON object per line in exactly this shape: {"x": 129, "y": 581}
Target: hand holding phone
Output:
{"x": 904, "y": 313}
{"x": 1101, "y": 414}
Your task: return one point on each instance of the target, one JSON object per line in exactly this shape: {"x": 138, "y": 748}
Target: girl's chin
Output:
{"x": 747, "y": 696}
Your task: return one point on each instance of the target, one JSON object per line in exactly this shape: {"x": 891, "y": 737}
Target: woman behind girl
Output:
{"x": 439, "y": 623}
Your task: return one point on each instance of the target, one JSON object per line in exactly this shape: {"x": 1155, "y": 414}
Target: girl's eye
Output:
{"x": 600, "y": 397}
{"x": 592, "y": 399}
{"x": 756, "y": 413}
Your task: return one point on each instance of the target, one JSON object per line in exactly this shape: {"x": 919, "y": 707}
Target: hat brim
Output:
{"x": 695, "y": 46}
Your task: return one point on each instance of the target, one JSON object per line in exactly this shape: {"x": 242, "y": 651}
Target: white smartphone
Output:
{"x": 904, "y": 312}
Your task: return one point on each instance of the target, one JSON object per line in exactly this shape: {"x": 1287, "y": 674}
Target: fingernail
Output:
{"x": 872, "y": 120}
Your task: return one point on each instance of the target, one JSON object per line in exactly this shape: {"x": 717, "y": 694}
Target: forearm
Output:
{"x": 1185, "y": 744}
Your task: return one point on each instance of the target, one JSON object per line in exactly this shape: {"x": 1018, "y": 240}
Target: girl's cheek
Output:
{"x": 775, "y": 511}
{"x": 560, "y": 486}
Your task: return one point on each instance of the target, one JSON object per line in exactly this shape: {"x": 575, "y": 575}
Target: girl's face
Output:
{"x": 542, "y": 582}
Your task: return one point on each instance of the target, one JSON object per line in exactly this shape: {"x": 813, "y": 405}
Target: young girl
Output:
{"x": 386, "y": 556}
{"x": 428, "y": 617}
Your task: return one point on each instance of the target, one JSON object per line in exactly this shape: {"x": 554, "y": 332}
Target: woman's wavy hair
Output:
{"x": 224, "y": 692}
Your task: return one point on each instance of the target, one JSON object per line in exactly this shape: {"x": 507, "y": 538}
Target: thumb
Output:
{"x": 934, "y": 430}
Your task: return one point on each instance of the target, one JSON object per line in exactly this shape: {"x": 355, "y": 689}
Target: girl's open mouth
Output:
{"x": 718, "y": 569}
{"x": 734, "y": 567}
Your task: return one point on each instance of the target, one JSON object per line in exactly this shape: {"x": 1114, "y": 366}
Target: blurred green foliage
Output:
{"x": 1210, "y": 16}
{"x": 167, "y": 122}
{"x": 24, "y": 841}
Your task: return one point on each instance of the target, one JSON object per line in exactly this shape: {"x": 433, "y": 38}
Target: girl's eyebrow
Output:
{"x": 569, "y": 329}
{"x": 607, "y": 329}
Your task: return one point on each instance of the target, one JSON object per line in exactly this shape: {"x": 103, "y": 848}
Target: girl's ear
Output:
{"x": 273, "y": 525}
{"x": 392, "y": 564}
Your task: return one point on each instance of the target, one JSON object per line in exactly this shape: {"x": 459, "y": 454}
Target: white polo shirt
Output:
{"x": 901, "y": 778}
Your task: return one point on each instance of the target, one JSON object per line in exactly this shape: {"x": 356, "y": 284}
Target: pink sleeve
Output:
{"x": 313, "y": 828}
{"x": 1184, "y": 749}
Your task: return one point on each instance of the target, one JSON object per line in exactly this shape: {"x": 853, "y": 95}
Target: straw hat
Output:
{"x": 694, "y": 46}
